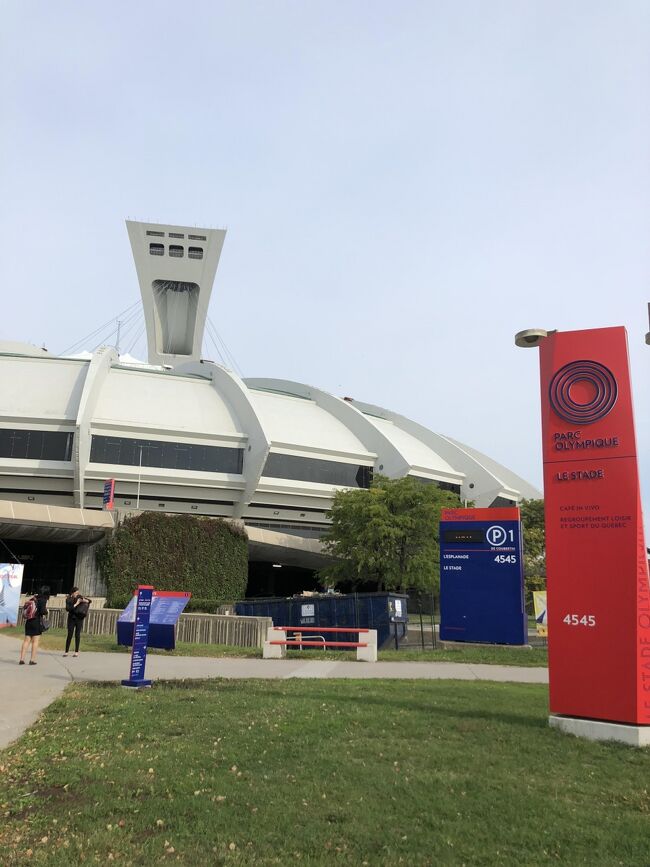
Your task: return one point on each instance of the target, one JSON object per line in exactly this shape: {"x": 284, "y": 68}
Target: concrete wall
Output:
{"x": 193, "y": 628}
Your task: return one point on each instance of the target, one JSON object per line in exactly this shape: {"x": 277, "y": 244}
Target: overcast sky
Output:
{"x": 405, "y": 186}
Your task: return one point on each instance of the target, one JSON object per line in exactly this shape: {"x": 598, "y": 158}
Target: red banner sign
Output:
{"x": 597, "y": 571}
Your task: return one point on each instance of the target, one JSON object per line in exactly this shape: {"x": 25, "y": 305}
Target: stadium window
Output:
{"x": 301, "y": 469}
{"x": 36, "y": 445}
{"x": 156, "y": 249}
{"x": 168, "y": 455}
{"x": 195, "y": 252}
{"x": 176, "y": 251}
{"x": 444, "y": 486}
{"x": 500, "y": 502}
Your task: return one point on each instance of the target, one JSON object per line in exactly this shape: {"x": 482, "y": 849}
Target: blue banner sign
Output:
{"x": 140, "y": 638}
{"x": 482, "y": 576}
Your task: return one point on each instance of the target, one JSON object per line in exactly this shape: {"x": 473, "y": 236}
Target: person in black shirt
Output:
{"x": 34, "y": 627}
{"x": 77, "y": 607}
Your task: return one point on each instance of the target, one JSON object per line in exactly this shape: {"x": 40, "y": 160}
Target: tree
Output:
{"x": 532, "y": 518}
{"x": 387, "y": 534}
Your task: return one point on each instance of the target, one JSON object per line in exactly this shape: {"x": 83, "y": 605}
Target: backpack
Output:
{"x": 30, "y": 609}
{"x": 82, "y": 609}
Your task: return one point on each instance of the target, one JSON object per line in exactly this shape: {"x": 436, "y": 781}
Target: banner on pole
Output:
{"x": 108, "y": 500}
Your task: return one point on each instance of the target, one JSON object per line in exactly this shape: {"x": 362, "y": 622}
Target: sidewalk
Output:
{"x": 27, "y": 690}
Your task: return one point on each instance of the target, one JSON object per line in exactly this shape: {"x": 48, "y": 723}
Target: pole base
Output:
{"x": 136, "y": 684}
{"x": 602, "y": 730}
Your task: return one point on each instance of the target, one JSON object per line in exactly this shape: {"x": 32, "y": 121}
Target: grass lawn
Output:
{"x": 318, "y": 772}
{"x": 54, "y": 639}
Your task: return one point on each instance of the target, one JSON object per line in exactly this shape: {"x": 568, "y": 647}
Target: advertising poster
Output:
{"x": 11, "y": 579}
{"x": 539, "y": 601}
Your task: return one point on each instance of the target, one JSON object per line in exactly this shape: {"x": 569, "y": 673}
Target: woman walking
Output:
{"x": 77, "y": 607}
{"x": 34, "y": 624}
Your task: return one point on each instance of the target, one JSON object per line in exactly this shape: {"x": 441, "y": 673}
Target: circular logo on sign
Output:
{"x": 583, "y": 392}
{"x": 495, "y": 535}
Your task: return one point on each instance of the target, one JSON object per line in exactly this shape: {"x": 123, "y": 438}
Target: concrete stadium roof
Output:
{"x": 202, "y": 403}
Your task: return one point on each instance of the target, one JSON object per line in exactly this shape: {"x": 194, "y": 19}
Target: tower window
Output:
{"x": 156, "y": 249}
{"x": 195, "y": 252}
{"x": 197, "y": 237}
{"x": 176, "y": 250}
{"x": 176, "y": 235}
{"x": 156, "y": 234}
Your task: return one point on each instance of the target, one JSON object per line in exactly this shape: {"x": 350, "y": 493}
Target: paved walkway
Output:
{"x": 27, "y": 690}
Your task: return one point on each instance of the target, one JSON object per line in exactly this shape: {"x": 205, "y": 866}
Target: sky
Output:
{"x": 404, "y": 187}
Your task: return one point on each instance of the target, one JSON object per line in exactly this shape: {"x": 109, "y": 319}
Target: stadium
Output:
{"x": 183, "y": 434}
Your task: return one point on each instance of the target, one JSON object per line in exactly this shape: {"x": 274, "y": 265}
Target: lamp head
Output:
{"x": 530, "y": 338}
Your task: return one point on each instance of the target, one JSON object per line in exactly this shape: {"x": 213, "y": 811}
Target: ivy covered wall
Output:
{"x": 206, "y": 556}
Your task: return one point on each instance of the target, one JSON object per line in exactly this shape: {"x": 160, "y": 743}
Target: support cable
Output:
{"x": 132, "y": 325}
{"x": 136, "y": 338}
{"x": 215, "y": 344}
{"x": 126, "y": 325}
{"x": 78, "y": 343}
{"x": 233, "y": 360}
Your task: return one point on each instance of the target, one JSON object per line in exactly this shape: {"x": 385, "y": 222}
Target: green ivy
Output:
{"x": 206, "y": 557}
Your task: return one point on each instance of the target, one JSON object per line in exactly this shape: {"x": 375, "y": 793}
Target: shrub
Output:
{"x": 207, "y": 557}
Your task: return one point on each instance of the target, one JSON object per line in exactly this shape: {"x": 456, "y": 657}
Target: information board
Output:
{"x": 140, "y": 638}
{"x": 597, "y": 571}
{"x": 166, "y": 607}
{"x": 481, "y": 576}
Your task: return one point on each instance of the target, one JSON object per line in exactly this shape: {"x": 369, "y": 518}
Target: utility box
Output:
{"x": 385, "y": 612}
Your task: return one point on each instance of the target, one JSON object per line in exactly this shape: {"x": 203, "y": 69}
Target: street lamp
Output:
{"x": 531, "y": 337}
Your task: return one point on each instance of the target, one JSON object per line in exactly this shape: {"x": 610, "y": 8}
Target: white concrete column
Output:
{"x": 274, "y": 651}
{"x": 369, "y": 653}
{"x": 98, "y": 370}
{"x": 87, "y": 576}
{"x": 229, "y": 386}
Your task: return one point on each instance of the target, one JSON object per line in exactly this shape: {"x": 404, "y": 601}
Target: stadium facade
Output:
{"x": 182, "y": 434}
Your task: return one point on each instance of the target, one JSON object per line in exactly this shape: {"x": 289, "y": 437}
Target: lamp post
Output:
{"x": 137, "y": 502}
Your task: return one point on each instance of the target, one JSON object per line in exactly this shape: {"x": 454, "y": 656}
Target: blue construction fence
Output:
{"x": 385, "y": 612}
